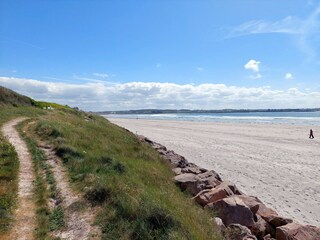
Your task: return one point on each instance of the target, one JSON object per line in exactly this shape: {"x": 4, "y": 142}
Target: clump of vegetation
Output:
{"x": 56, "y": 219}
{"x": 48, "y": 130}
{"x": 68, "y": 153}
{"x": 97, "y": 195}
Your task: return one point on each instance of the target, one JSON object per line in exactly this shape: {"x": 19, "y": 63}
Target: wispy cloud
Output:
{"x": 101, "y": 75}
{"x": 135, "y": 95}
{"x": 305, "y": 31}
{"x": 200, "y": 69}
{"x": 288, "y": 25}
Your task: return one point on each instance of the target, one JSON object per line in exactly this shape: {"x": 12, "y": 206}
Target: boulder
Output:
{"x": 268, "y": 237}
{"x": 253, "y": 203}
{"x": 175, "y": 159}
{"x": 209, "y": 174}
{"x": 268, "y": 214}
{"x": 194, "y": 170}
{"x": 193, "y": 184}
{"x": 215, "y": 194}
{"x": 218, "y": 223}
{"x": 277, "y": 221}
{"x": 261, "y": 228}
{"x": 177, "y": 171}
{"x": 158, "y": 146}
{"x": 238, "y": 232}
{"x": 295, "y": 231}
{"x": 233, "y": 210}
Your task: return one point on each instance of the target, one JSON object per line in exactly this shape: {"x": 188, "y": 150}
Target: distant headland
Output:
{"x": 166, "y": 111}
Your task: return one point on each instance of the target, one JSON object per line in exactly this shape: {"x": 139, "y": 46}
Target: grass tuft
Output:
{"x": 56, "y": 219}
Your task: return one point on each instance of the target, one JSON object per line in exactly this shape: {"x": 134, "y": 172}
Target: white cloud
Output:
{"x": 101, "y": 75}
{"x": 288, "y": 76}
{"x": 158, "y": 65}
{"x": 252, "y": 65}
{"x": 200, "y": 69}
{"x": 98, "y": 96}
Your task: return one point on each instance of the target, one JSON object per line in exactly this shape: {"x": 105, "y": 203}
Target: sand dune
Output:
{"x": 277, "y": 163}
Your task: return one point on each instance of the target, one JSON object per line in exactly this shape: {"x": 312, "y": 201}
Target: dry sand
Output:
{"x": 277, "y": 163}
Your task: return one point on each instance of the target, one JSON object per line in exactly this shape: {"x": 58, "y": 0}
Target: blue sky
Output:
{"x": 111, "y": 55}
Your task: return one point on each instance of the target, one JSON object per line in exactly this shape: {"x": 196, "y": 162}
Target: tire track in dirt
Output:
{"x": 78, "y": 223}
{"x": 25, "y": 218}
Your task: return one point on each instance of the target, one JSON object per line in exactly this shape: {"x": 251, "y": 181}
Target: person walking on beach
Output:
{"x": 311, "y": 134}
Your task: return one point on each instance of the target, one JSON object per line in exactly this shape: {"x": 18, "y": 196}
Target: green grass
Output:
{"x": 9, "y": 167}
{"x": 128, "y": 179}
{"x": 45, "y": 105}
{"x": 9, "y": 97}
{"x": 56, "y": 219}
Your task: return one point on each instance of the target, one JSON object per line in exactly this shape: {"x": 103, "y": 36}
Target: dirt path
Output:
{"x": 25, "y": 222}
{"x": 78, "y": 222}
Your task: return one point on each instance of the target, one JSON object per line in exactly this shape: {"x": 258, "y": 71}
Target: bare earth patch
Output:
{"x": 79, "y": 224}
{"x": 24, "y": 224}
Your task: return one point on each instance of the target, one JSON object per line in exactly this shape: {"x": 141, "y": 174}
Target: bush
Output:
{"x": 47, "y": 130}
{"x": 68, "y": 153}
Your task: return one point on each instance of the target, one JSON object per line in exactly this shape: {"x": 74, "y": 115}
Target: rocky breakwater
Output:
{"x": 239, "y": 216}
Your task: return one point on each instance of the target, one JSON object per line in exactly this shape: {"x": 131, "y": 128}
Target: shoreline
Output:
{"x": 273, "y": 162}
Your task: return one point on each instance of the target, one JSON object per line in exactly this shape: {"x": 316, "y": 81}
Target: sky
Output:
{"x": 169, "y": 54}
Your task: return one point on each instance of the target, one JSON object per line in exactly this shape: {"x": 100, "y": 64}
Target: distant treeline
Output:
{"x": 162, "y": 111}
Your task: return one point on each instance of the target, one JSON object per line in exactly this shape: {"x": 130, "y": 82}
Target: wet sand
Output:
{"x": 277, "y": 163}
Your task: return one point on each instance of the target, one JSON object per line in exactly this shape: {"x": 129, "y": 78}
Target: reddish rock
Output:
{"x": 194, "y": 170}
{"x": 277, "y": 221}
{"x": 233, "y": 210}
{"x": 253, "y": 203}
{"x": 294, "y": 231}
{"x": 268, "y": 237}
{"x": 193, "y": 184}
{"x": 212, "y": 195}
{"x": 209, "y": 174}
{"x": 175, "y": 159}
{"x": 261, "y": 228}
{"x": 238, "y": 232}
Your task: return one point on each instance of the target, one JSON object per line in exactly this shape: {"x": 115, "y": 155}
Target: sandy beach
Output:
{"x": 277, "y": 163}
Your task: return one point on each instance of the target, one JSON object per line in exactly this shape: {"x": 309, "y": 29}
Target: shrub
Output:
{"x": 68, "y": 153}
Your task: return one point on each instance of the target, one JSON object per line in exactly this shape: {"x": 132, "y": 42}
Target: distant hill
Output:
{"x": 165, "y": 111}
{"x": 9, "y": 97}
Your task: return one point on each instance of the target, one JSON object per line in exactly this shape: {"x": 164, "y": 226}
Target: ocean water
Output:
{"x": 296, "y": 118}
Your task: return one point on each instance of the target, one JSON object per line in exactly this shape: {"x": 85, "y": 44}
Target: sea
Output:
{"x": 294, "y": 118}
